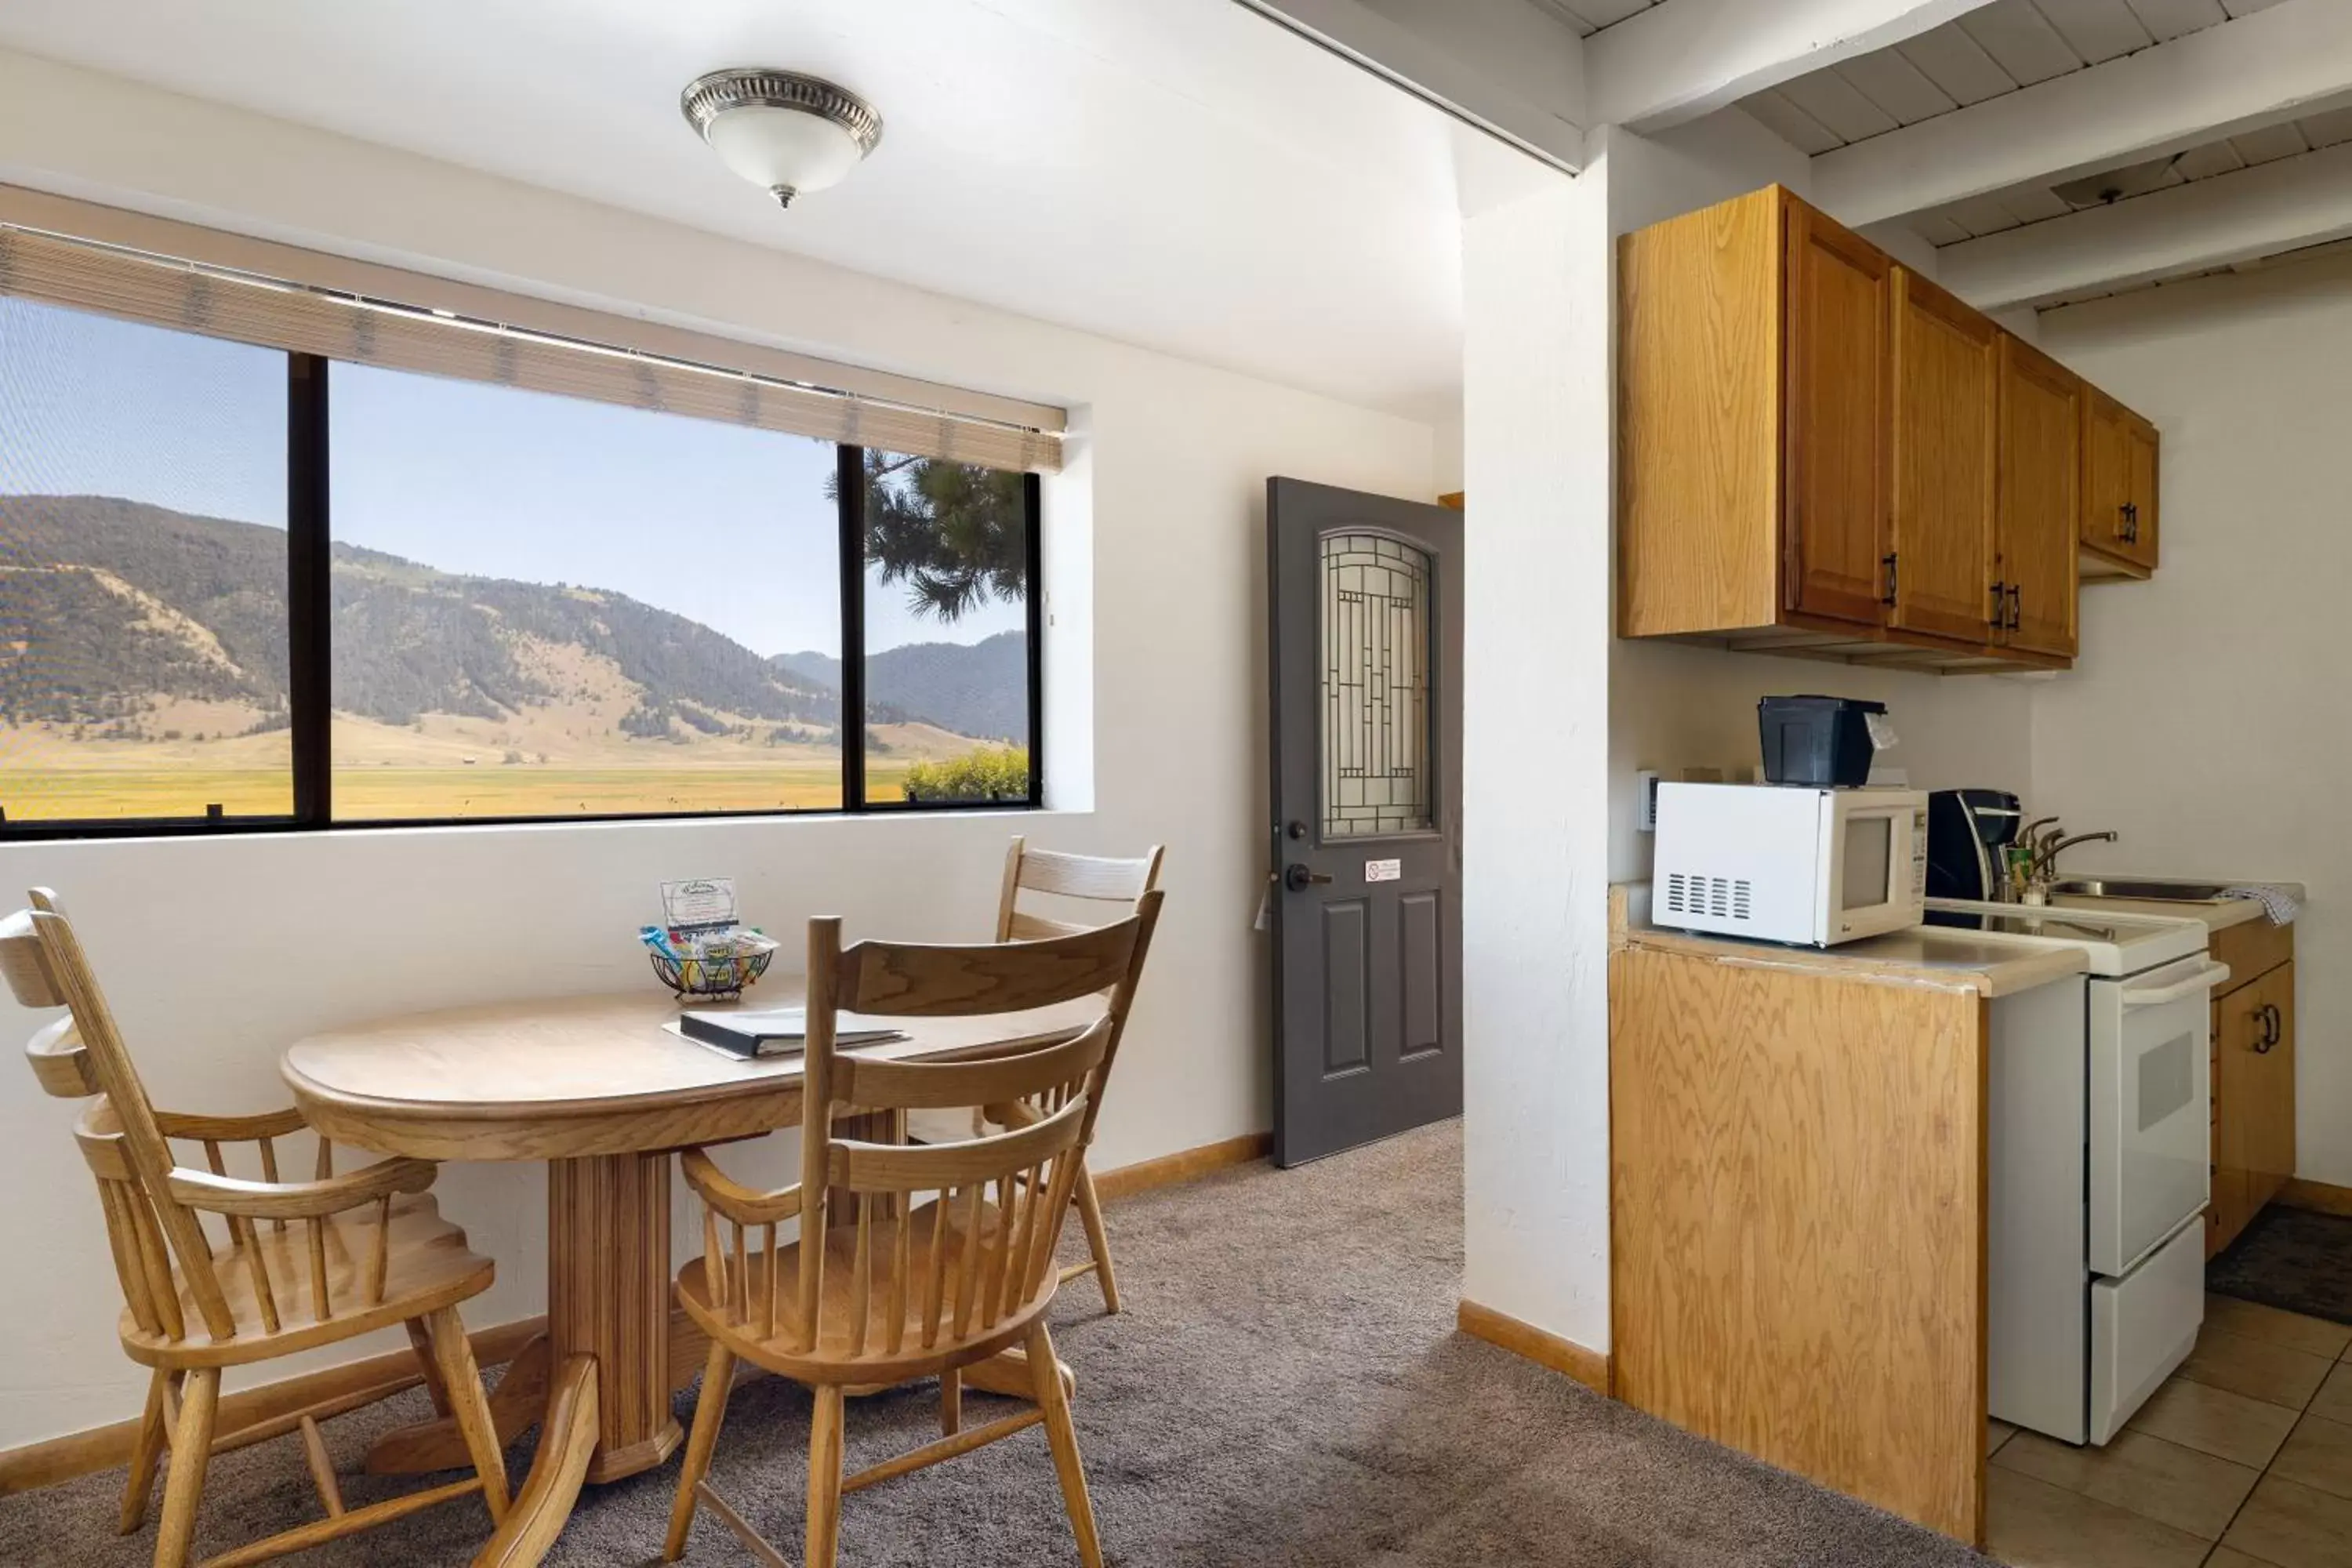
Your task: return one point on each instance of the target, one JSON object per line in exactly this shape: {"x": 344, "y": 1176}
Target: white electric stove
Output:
{"x": 2100, "y": 1163}
{"x": 2116, "y": 944}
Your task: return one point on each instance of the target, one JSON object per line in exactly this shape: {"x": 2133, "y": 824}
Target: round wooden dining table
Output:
{"x": 600, "y": 1091}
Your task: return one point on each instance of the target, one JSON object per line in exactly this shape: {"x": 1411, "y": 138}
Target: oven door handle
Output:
{"x": 2205, "y": 979}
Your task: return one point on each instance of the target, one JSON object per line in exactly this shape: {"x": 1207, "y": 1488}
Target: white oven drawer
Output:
{"x": 2150, "y": 1108}
{"x": 2143, "y": 1325}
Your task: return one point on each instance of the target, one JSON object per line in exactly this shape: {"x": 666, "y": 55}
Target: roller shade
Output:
{"x": 187, "y": 297}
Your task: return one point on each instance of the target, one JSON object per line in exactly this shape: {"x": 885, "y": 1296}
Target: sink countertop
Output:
{"x": 1923, "y": 955}
{"x": 2219, "y": 914}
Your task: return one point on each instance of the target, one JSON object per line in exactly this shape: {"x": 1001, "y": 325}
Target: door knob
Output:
{"x": 1297, "y": 877}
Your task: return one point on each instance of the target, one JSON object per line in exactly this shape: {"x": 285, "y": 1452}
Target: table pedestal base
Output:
{"x": 608, "y": 1297}
{"x": 516, "y": 1405}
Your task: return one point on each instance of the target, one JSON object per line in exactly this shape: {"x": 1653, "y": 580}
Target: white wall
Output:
{"x": 1534, "y": 754}
{"x": 1559, "y": 713}
{"x": 1674, "y": 707}
{"x": 2205, "y": 720}
{"x": 218, "y": 952}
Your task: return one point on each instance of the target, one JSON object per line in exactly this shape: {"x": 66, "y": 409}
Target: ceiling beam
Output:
{"x": 2230, "y": 218}
{"x": 1507, "y": 66}
{"x": 2259, "y": 69}
{"x": 1684, "y": 59}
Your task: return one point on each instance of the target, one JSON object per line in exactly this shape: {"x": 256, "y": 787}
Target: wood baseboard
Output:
{"x": 1184, "y": 1165}
{"x": 251, "y": 1415}
{"x": 2317, "y": 1196}
{"x": 1589, "y": 1367}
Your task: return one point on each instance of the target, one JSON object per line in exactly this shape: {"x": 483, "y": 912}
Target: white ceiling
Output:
{"x": 1999, "y": 49}
{"x": 1177, "y": 173}
{"x": 2021, "y": 205}
{"x": 1589, "y": 16}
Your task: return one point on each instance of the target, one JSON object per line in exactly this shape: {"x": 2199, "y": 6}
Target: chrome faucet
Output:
{"x": 2043, "y": 868}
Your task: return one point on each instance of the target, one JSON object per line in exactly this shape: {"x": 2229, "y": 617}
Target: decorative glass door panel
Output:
{"x": 1375, "y": 676}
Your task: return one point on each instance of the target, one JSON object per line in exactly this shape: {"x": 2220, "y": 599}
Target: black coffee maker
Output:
{"x": 1967, "y": 829}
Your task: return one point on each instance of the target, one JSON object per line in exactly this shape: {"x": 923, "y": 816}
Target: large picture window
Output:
{"x": 143, "y": 609}
{"x": 245, "y": 588}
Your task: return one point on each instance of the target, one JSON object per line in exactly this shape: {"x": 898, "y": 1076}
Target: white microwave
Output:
{"x": 1788, "y": 863}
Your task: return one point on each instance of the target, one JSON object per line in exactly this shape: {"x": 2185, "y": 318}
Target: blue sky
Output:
{"x": 726, "y": 525}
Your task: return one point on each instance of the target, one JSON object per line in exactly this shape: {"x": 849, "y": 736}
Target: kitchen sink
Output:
{"x": 2164, "y": 890}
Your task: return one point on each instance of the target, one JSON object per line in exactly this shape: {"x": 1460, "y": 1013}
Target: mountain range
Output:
{"x": 113, "y": 611}
{"x": 984, "y": 685}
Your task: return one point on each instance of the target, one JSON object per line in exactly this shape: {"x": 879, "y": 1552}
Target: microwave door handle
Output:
{"x": 2205, "y": 979}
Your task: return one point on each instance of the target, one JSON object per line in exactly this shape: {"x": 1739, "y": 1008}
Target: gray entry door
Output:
{"x": 1365, "y": 600}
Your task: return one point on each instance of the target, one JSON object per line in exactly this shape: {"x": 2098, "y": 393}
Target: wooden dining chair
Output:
{"x": 300, "y": 1264}
{"x": 1094, "y": 879}
{"x": 913, "y": 1260}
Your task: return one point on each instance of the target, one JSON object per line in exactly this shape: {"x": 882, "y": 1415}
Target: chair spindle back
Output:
{"x": 981, "y": 1251}
{"x": 1091, "y": 878}
{"x": 126, "y": 1141}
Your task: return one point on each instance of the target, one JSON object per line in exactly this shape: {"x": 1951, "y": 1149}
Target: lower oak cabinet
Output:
{"x": 2253, "y": 1076}
{"x": 1823, "y": 453}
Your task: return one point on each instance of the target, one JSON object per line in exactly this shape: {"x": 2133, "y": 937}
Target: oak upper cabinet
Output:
{"x": 1822, "y": 453}
{"x": 1834, "y": 420}
{"x": 2040, "y": 479}
{"x": 2119, "y": 498}
{"x": 1948, "y": 366}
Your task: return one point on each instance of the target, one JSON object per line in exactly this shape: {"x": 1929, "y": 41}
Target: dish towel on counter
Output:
{"x": 2277, "y": 902}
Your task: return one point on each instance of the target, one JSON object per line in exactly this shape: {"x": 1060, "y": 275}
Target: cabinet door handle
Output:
{"x": 1999, "y": 619}
{"x": 2128, "y": 528}
{"x": 2274, "y": 1026}
{"x": 1893, "y": 569}
{"x": 2016, "y": 607}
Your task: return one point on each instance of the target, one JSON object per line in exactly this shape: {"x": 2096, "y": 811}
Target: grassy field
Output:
{"x": 395, "y": 793}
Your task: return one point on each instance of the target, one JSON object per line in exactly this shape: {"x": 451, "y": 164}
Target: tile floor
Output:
{"x": 2243, "y": 1460}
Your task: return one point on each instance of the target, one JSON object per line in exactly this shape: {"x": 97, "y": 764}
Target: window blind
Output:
{"x": 276, "y": 313}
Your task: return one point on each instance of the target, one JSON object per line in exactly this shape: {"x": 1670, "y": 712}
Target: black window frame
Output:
{"x": 309, "y": 655}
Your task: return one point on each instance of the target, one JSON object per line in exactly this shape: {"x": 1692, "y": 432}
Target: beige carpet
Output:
{"x": 1285, "y": 1387}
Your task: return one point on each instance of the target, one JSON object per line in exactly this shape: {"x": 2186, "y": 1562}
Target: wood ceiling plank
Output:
{"x": 1609, "y": 12}
{"x": 2270, "y": 143}
{"x": 2327, "y": 128}
{"x": 1938, "y": 229}
{"x": 2098, "y": 30}
{"x": 2032, "y": 204}
{"x": 2166, "y": 19}
{"x": 1582, "y": 25}
{"x": 1981, "y": 216}
{"x": 1889, "y": 80}
{"x": 1959, "y": 64}
{"x": 1789, "y": 123}
{"x": 2016, "y": 34}
{"x": 2204, "y": 163}
{"x": 1838, "y": 104}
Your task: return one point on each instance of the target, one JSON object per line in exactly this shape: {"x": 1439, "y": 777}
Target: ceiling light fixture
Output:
{"x": 786, "y": 133}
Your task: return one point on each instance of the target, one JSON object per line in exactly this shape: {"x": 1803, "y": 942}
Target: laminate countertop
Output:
{"x": 2219, "y": 914}
{"x": 1924, "y": 955}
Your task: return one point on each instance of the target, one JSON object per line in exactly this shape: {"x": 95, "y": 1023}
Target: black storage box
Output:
{"x": 1819, "y": 741}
